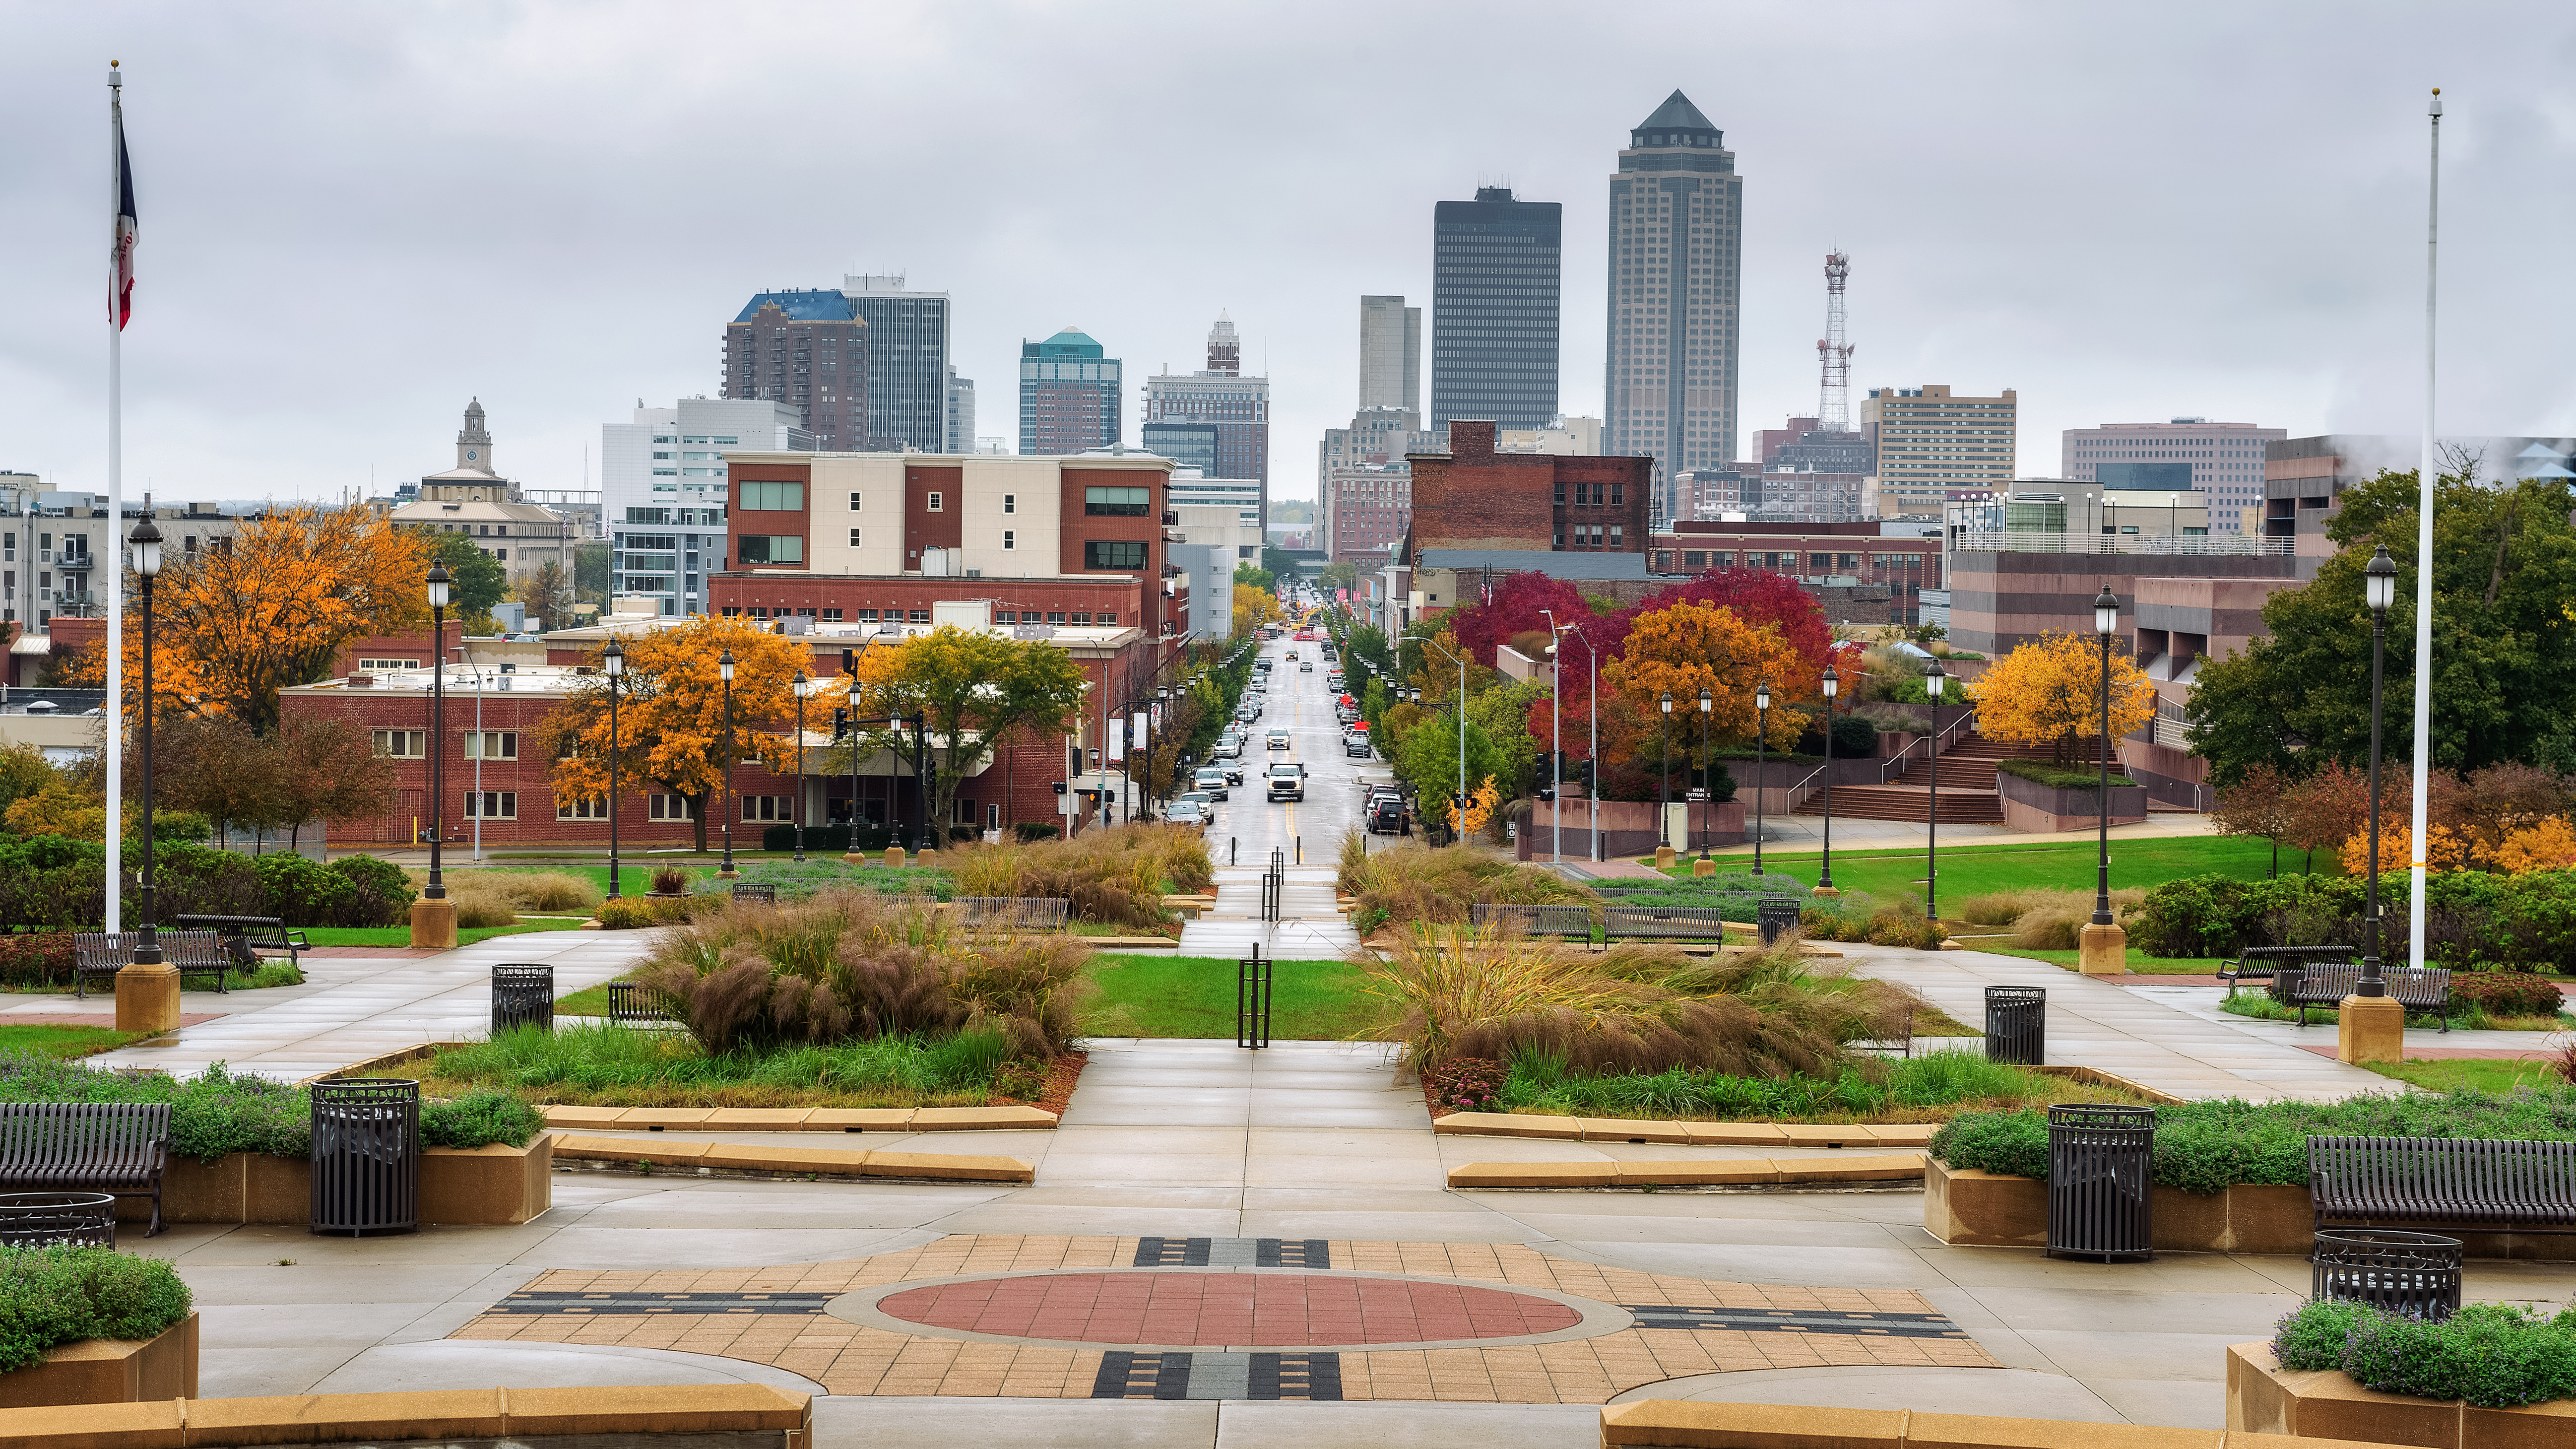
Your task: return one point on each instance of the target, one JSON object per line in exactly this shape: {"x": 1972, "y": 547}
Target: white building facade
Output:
{"x": 662, "y": 490}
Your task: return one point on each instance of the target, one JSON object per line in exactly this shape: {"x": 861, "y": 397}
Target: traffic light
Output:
{"x": 840, "y": 724}
{"x": 849, "y": 661}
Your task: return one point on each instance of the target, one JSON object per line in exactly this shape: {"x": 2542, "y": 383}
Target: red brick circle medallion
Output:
{"x": 1217, "y": 1309}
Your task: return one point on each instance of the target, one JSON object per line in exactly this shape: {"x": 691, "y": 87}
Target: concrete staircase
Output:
{"x": 1968, "y": 793}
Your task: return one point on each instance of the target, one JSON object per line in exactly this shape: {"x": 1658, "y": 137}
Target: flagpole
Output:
{"x": 2424, "y": 566}
{"x": 115, "y": 710}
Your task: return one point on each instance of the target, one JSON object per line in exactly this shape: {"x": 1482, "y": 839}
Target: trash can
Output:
{"x": 2286, "y": 982}
{"x": 2101, "y": 1182}
{"x": 1775, "y": 914}
{"x": 58, "y": 1220}
{"x": 2415, "y": 1274}
{"x": 2017, "y": 1024}
{"x": 522, "y": 995}
{"x": 366, "y": 1156}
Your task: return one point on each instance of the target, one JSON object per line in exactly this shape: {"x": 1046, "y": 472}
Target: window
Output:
{"x": 1081, "y": 618}
{"x": 1850, "y": 563}
{"x": 402, "y": 744}
{"x": 594, "y": 808}
{"x": 492, "y": 745}
{"x": 867, "y": 616}
{"x": 1055, "y": 616}
{"x": 1010, "y": 503}
{"x": 770, "y": 497}
{"x": 492, "y": 805}
{"x": 1117, "y": 502}
{"x": 831, "y": 616}
{"x": 1615, "y": 530}
{"x": 1694, "y": 558}
{"x": 1820, "y": 562}
{"x": 1560, "y": 538}
{"x": 992, "y": 817}
{"x": 669, "y": 807}
{"x": 1618, "y": 492}
{"x": 854, "y": 538}
{"x": 916, "y": 616}
{"x": 1006, "y": 616}
{"x": 1560, "y": 492}
{"x": 368, "y": 665}
{"x": 1114, "y": 553}
{"x": 855, "y": 500}
{"x": 776, "y": 548}
{"x": 768, "y": 807}
{"x": 938, "y": 503}
{"x": 1010, "y": 540}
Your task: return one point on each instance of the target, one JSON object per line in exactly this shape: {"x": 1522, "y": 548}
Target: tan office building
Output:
{"x": 1929, "y": 447}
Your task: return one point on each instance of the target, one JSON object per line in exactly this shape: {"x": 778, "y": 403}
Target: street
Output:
{"x": 1247, "y": 825}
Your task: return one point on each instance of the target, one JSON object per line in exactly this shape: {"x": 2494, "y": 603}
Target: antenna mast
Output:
{"x": 1833, "y": 408}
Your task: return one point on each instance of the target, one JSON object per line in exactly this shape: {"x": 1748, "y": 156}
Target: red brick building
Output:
{"x": 1472, "y": 497}
{"x": 1907, "y": 563}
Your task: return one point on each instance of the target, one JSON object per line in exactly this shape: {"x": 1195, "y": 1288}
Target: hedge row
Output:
{"x": 2495, "y": 1355}
{"x": 2473, "y": 921}
{"x": 50, "y": 883}
{"x": 218, "y": 1113}
{"x": 2060, "y": 777}
{"x": 53, "y": 1296}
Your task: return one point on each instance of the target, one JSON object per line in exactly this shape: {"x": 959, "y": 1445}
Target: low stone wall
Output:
{"x": 1688, "y": 1424}
{"x": 109, "y": 1371}
{"x": 2039, "y": 809}
{"x": 2327, "y": 1404}
{"x": 1627, "y": 827}
{"x": 458, "y": 1185}
{"x": 673, "y": 1416}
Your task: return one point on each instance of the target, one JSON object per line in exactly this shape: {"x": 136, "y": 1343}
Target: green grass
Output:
{"x": 1156, "y": 995}
{"x": 2465, "y": 1015}
{"x": 614, "y": 1066}
{"x": 401, "y": 935}
{"x": 2470, "y": 1074}
{"x": 2139, "y": 961}
{"x": 1973, "y": 870}
{"x": 1930, "y": 1087}
{"x": 56, "y": 1040}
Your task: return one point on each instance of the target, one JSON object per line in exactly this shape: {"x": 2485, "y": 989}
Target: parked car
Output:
{"x": 1386, "y": 815}
{"x": 1211, "y": 780}
{"x": 1187, "y": 812}
{"x": 1287, "y": 781}
{"x": 1279, "y": 739}
{"x": 1306, "y": 668}
{"x": 1355, "y": 747}
{"x": 1227, "y": 748}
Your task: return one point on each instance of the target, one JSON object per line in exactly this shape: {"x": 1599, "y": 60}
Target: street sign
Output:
{"x": 1698, "y": 796}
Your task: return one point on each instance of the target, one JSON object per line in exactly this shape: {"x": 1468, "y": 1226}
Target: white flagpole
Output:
{"x": 115, "y": 710}
{"x": 2424, "y": 565}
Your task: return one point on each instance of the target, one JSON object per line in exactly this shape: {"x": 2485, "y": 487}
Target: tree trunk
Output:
{"x": 698, "y": 818}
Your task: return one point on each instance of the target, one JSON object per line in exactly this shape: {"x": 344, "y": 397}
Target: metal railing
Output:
{"x": 2036, "y": 540}
{"x": 1252, "y": 989}
{"x": 1017, "y": 913}
{"x": 1274, "y": 884}
{"x": 1799, "y": 792}
{"x": 1933, "y": 757}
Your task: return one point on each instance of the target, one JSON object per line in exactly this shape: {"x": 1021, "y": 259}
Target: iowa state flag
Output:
{"x": 120, "y": 299}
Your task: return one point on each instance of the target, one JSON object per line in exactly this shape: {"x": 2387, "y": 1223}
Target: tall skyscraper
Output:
{"x": 908, "y": 370}
{"x": 1219, "y": 395}
{"x": 1069, "y": 395}
{"x": 1676, "y": 235}
{"x": 959, "y": 435}
{"x": 1390, "y": 354}
{"x": 808, "y": 348}
{"x": 1495, "y": 268}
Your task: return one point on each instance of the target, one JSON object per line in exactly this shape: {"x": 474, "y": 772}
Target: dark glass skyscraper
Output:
{"x": 1495, "y": 267}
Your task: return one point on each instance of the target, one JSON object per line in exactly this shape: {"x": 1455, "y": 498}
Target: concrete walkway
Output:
{"x": 351, "y": 1009}
{"x": 2201, "y": 1002}
{"x": 1308, "y": 928}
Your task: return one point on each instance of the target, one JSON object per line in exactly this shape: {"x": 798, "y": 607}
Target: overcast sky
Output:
{"x": 354, "y": 217}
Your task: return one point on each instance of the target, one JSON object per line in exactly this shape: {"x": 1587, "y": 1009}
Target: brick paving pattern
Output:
{"x": 851, "y": 1358}
{"x": 1219, "y": 1308}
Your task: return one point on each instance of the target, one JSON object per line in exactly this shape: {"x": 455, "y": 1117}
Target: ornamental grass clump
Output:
{"x": 2494, "y": 1355}
{"x": 1413, "y": 883}
{"x": 53, "y": 1296}
{"x": 1117, "y": 876}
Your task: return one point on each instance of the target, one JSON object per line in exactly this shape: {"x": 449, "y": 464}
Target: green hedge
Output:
{"x": 53, "y": 1296}
{"x": 2059, "y": 777}
{"x": 2473, "y": 921}
{"x": 2495, "y": 1355}
{"x": 2205, "y": 1147}
{"x": 218, "y": 1113}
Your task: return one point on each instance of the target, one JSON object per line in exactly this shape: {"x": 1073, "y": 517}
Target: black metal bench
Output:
{"x": 1535, "y": 920}
{"x": 1014, "y": 913}
{"x": 202, "y": 955}
{"x": 1663, "y": 923}
{"x": 2425, "y": 990}
{"x": 2470, "y": 1182}
{"x": 630, "y": 1004}
{"x": 249, "y": 934}
{"x": 2258, "y": 963}
{"x": 119, "y": 1148}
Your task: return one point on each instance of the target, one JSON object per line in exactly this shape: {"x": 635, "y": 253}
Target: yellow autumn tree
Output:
{"x": 2049, "y": 692}
{"x": 2449, "y": 852}
{"x": 1690, "y": 647}
{"x": 1253, "y": 608}
{"x": 671, "y": 713}
{"x": 1479, "y": 812}
{"x": 970, "y": 688}
{"x": 2545, "y": 844}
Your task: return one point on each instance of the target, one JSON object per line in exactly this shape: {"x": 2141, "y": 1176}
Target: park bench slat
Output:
{"x": 272, "y": 935}
{"x": 2473, "y": 1182}
{"x": 97, "y": 956}
{"x": 2426, "y": 987}
{"x": 120, "y": 1148}
{"x": 1536, "y": 920}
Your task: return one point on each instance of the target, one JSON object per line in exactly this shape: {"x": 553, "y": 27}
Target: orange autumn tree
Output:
{"x": 2049, "y": 692}
{"x": 671, "y": 713}
{"x": 1689, "y": 647}
{"x": 269, "y": 610}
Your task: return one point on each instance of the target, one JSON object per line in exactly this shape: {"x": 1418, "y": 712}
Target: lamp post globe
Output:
{"x": 612, "y": 663}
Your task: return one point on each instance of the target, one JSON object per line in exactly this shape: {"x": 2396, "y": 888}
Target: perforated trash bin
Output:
{"x": 366, "y": 1156}
{"x": 1774, "y": 914}
{"x": 2101, "y": 1182}
{"x": 522, "y": 995}
{"x": 2416, "y": 1274}
{"x": 2017, "y": 1024}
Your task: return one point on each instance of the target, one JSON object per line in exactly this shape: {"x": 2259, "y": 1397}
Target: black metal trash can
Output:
{"x": 366, "y": 1156}
{"x": 57, "y": 1220}
{"x": 2286, "y": 982}
{"x": 2017, "y": 1024}
{"x": 1775, "y": 914}
{"x": 2101, "y": 1182}
{"x": 2399, "y": 1272}
{"x": 522, "y": 995}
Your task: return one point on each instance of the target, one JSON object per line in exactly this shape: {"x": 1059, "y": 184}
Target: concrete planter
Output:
{"x": 493, "y": 1185}
{"x": 110, "y": 1371}
{"x": 2327, "y": 1404}
{"x": 2039, "y": 809}
{"x": 1965, "y": 1207}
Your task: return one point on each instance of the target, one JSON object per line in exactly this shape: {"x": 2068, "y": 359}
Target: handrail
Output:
{"x": 1931, "y": 756}
{"x": 1798, "y": 792}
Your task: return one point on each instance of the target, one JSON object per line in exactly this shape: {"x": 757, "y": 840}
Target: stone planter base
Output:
{"x": 107, "y": 1371}
{"x": 466, "y": 1186}
{"x": 2327, "y": 1404}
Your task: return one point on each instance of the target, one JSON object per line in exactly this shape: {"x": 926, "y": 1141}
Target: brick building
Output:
{"x": 1473, "y": 497}
{"x": 808, "y": 349}
{"x": 1367, "y": 508}
{"x": 1855, "y": 558}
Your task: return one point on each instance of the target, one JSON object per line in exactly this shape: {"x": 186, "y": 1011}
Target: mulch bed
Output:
{"x": 1059, "y": 1085}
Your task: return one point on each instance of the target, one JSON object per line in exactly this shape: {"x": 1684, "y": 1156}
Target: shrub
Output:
{"x": 2059, "y": 777}
{"x": 626, "y": 914}
{"x": 36, "y": 960}
{"x": 1860, "y": 917}
{"x": 2005, "y": 908}
{"x": 1466, "y": 1084}
{"x": 479, "y": 904}
{"x": 833, "y": 838}
{"x": 218, "y": 1113}
{"x": 301, "y": 891}
{"x": 479, "y": 1119}
{"x": 670, "y": 880}
{"x": 1418, "y": 883}
{"x": 549, "y": 890}
{"x": 1032, "y": 831}
{"x": 54, "y": 1296}
{"x": 2494, "y": 1355}
{"x": 2507, "y": 993}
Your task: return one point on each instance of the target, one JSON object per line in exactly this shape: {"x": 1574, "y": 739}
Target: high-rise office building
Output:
{"x": 1676, "y": 236}
{"x": 1069, "y": 395}
{"x": 1390, "y": 354}
{"x": 960, "y": 430}
{"x": 807, "y": 348}
{"x": 1218, "y": 396}
{"x": 1929, "y": 448}
{"x": 663, "y": 482}
{"x": 908, "y": 371}
{"x": 2223, "y": 460}
{"x": 1495, "y": 268}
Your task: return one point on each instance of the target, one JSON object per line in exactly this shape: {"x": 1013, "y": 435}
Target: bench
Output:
{"x": 119, "y": 1148}
{"x": 764, "y": 893}
{"x": 1014, "y": 913}
{"x": 630, "y": 1004}
{"x": 254, "y": 933}
{"x": 1530, "y": 920}
{"x": 1900, "y": 1044}
{"x": 2428, "y": 989}
{"x": 203, "y": 955}
{"x": 2258, "y": 963}
{"x": 2462, "y": 1181}
{"x": 1665, "y": 923}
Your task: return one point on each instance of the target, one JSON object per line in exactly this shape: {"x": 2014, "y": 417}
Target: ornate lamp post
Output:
{"x": 2370, "y": 1027}
{"x": 612, "y": 662}
{"x": 147, "y": 991}
{"x": 1825, "y": 876}
{"x": 724, "y": 667}
{"x": 1707, "y": 781}
{"x": 1933, "y": 681}
{"x": 803, "y": 687}
{"x": 2104, "y": 947}
{"x": 433, "y": 916}
{"x": 1761, "y": 760}
{"x": 1664, "y": 787}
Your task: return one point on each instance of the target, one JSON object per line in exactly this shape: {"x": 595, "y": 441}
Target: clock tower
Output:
{"x": 474, "y": 444}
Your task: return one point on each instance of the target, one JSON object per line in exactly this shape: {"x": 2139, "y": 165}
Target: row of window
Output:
{"x": 414, "y": 744}
{"x": 1593, "y": 495}
{"x": 1590, "y": 535}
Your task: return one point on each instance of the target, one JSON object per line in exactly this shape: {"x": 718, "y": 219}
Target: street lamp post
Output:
{"x": 1933, "y": 681}
{"x": 1761, "y": 761}
{"x": 147, "y": 991}
{"x": 1825, "y": 874}
{"x": 433, "y": 916}
{"x": 612, "y": 662}
{"x": 724, "y": 667}
{"x": 2370, "y": 1027}
{"x": 2104, "y": 947}
{"x": 803, "y": 687}
{"x": 1593, "y": 693}
{"x": 1707, "y": 780}
{"x": 1664, "y": 788}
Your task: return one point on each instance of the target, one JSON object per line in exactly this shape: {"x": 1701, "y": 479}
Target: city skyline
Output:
{"x": 297, "y": 174}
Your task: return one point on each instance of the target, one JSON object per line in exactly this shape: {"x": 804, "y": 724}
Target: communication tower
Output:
{"x": 1833, "y": 408}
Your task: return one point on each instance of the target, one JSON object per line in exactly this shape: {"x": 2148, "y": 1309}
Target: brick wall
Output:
{"x": 1474, "y": 497}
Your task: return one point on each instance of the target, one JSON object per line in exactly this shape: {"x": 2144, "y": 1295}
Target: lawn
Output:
{"x": 1972, "y": 870}
{"x": 601, "y": 1065}
{"x": 1194, "y": 996}
{"x": 2139, "y": 961}
{"x": 2463, "y": 1074}
{"x": 56, "y": 1040}
{"x": 401, "y": 935}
